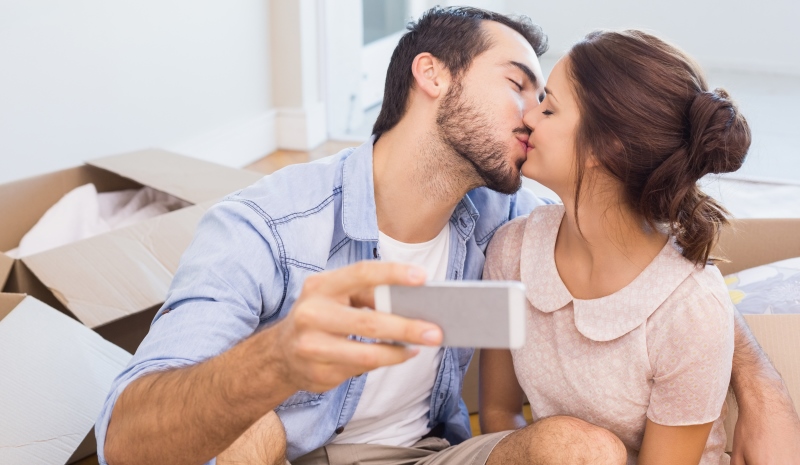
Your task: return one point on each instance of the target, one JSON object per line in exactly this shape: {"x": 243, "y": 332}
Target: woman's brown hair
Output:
{"x": 650, "y": 121}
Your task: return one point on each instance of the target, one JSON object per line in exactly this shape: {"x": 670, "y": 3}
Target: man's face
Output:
{"x": 480, "y": 117}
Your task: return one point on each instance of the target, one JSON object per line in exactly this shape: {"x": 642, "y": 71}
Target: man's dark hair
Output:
{"x": 455, "y": 37}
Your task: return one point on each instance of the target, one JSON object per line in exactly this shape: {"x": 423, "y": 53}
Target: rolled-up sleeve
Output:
{"x": 229, "y": 281}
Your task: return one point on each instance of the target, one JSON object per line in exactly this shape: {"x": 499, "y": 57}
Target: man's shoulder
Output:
{"x": 496, "y": 209}
{"x": 295, "y": 190}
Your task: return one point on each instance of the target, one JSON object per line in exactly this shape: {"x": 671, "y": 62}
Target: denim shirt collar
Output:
{"x": 359, "y": 213}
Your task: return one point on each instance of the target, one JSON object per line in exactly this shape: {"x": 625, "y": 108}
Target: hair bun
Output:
{"x": 719, "y": 136}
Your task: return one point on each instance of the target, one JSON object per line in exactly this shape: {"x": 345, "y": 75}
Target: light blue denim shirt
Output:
{"x": 247, "y": 263}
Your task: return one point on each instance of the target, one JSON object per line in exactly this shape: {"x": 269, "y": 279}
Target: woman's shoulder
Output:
{"x": 700, "y": 304}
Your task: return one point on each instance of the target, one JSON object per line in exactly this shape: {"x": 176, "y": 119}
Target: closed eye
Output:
{"x": 547, "y": 112}
{"x": 519, "y": 86}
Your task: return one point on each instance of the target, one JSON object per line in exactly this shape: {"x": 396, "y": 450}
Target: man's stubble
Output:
{"x": 466, "y": 130}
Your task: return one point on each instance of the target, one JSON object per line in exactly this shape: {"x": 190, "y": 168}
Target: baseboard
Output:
{"x": 301, "y": 128}
{"x": 235, "y": 144}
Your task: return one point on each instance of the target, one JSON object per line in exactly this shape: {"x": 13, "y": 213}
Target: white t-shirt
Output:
{"x": 393, "y": 409}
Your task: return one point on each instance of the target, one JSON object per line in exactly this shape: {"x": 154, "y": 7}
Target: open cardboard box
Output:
{"x": 113, "y": 282}
{"x": 56, "y": 374}
{"x": 745, "y": 244}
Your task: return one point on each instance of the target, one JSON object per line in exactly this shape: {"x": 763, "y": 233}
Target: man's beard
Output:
{"x": 463, "y": 128}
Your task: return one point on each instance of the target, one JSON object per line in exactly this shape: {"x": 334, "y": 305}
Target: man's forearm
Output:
{"x": 755, "y": 381}
{"x": 190, "y": 415}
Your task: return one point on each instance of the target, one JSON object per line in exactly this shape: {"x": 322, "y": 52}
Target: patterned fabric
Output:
{"x": 660, "y": 348}
{"x": 767, "y": 289}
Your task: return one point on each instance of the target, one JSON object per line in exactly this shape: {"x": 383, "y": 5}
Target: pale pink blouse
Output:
{"x": 660, "y": 348}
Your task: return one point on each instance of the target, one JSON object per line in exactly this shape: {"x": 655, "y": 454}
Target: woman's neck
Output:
{"x": 606, "y": 248}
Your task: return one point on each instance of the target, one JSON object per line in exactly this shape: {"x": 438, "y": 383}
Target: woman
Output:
{"x": 628, "y": 327}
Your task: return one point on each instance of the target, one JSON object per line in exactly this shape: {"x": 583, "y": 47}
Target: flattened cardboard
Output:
{"x": 120, "y": 273}
{"x": 56, "y": 375}
{"x": 184, "y": 177}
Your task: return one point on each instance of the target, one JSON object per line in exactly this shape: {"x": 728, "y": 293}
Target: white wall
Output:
{"x": 723, "y": 34}
{"x": 87, "y": 78}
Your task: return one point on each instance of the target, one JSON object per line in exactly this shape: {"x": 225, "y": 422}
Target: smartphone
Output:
{"x": 480, "y": 314}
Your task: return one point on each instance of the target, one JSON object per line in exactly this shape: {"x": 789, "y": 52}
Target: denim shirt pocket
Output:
{"x": 301, "y": 399}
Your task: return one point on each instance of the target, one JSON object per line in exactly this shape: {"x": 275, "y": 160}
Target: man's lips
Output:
{"x": 523, "y": 140}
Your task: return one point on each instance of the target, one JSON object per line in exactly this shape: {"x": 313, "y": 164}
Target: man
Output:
{"x": 254, "y": 323}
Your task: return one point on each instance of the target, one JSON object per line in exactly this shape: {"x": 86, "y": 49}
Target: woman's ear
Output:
{"x": 430, "y": 75}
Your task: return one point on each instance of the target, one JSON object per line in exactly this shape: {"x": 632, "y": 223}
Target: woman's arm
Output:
{"x": 673, "y": 445}
{"x": 500, "y": 396}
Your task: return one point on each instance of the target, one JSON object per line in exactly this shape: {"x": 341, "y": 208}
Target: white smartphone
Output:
{"x": 480, "y": 314}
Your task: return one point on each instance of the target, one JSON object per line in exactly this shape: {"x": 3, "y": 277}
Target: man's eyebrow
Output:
{"x": 526, "y": 70}
{"x": 547, "y": 91}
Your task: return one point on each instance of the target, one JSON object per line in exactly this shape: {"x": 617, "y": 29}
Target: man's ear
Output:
{"x": 430, "y": 75}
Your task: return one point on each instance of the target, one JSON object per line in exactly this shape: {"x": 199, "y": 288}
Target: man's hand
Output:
{"x": 312, "y": 345}
{"x": 190, "y": 415}
{"x": 767, "y": 432}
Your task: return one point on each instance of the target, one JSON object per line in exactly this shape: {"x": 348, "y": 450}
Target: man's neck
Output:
{"x": 418, "y": 182}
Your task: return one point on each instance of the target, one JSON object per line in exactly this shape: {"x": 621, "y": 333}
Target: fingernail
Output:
{"x": 416, "y": 274}
{"x": 432, "y": 335}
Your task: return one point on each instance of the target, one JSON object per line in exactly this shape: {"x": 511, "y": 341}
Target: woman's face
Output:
{"x": 554, "y": 124}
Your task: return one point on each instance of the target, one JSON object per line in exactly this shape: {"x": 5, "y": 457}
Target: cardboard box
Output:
{"x": 114, "y": 282}
{"x": 746, "y": 244}
{"x": 56, "y": 375}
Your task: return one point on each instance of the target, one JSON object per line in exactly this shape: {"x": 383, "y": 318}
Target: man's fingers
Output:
{"x": 328, "y": 316}
{"x": 361, "y": 277}
{"x": 335, "y": 354}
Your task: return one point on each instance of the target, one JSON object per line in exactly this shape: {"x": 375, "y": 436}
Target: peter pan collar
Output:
{"x": 606, "y": 318}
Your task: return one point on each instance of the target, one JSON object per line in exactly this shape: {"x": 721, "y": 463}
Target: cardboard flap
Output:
{"x": 56, "y": 375}
{"x": 758, "y": 241}
{"x": 6, "y": 263}
{"x": 9, "y": 302}
{"x": 187, "y": 178}
{"x": 108, "y": 277}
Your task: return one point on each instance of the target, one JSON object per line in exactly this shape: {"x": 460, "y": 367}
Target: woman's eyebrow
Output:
{"x": 547, "y": 91}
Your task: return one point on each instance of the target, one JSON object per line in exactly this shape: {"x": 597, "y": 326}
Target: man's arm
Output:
{"x": 192, "y": 414}
{"x": 768, "y": 429}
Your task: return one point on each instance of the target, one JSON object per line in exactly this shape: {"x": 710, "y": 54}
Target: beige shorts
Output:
{"x": 428, "y": 451}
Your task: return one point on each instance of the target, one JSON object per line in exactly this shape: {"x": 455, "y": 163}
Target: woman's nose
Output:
{"x": 529, "y": 118}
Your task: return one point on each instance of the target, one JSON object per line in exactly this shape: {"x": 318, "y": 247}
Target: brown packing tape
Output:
{"x": 120, "y": 273}
{"x": 184, "y": 177}
{"x": 9, "y": 302}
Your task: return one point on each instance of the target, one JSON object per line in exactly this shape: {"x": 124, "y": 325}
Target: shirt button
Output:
{"x": 339, "y": 430}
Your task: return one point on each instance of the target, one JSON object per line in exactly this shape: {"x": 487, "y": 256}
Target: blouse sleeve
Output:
{"x": 690, "y": 346}
{"x": 503, "y": 252}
